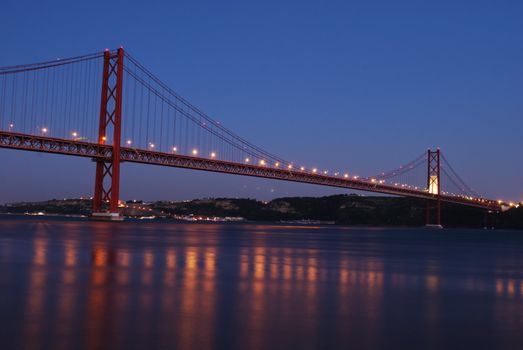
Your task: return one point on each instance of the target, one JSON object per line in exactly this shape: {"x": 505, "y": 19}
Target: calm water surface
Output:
{"x": 95, "y": 285}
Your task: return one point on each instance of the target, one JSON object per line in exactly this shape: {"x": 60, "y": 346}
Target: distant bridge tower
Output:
{"x": 433, "y": 211}
{"x": 107, "y": 181}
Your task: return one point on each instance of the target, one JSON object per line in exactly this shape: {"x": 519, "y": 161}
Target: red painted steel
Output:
{"x": 100, "y": 163}
{"x": 105, "y": 152}
{"x": 107, "y": 180}
{"x": 117, "y": 132}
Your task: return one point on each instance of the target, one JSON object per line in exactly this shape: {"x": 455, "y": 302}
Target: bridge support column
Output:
{"x": 107, "y": 180}
{"x": 433, "y": 211}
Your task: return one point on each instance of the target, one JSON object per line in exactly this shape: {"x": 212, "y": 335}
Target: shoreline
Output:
{"x": 83, "y": 218}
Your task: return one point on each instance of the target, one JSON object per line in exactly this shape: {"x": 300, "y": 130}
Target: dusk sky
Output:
{"x": 358, "y": 85}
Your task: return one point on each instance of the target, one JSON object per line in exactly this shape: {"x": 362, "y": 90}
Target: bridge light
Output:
{"x": 302, "y": 168}
{"x": 325, "y": 172}
{"x": 262, "y": 162}
{"x": 247, "y": 160}
{"x": 277, "y": 164}
{"x": 152, "y": 145}
{"x": 129, "y": 142}
{"x": 74, "y": 134}
{"x": 104, "y": 138}
{"x": 345, "y": 175}
{"x": 175, "y": 149}
{"x": 289, "y": 166}
{"x": 44, "y": 130}
{"x": 213, "y": 155}
{"x": 11, "y": 126}
{"x": 194, "y": 152}
{"x": 314, "y": 170}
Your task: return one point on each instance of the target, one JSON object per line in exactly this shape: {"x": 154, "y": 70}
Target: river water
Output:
{"x": 68, "y": 284}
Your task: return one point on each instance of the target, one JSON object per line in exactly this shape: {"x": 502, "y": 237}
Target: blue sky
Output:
{"x": 357, "y": 85}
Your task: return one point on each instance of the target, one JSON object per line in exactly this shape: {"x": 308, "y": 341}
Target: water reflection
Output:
{"x": 33, "y": 328}
{"x": 96, "y": 285}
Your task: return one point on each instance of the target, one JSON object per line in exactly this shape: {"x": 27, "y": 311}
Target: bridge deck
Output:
{"x": 44, "y": 144}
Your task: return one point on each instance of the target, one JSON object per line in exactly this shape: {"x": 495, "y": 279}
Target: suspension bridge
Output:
{"x": 108, "y": 107}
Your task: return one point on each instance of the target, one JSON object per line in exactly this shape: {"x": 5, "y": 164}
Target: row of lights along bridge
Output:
{"x": 213, "y": 155}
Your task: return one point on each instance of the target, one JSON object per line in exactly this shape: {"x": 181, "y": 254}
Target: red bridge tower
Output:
{"x": 107, "y": 181}
{"x": 433, "y": 211}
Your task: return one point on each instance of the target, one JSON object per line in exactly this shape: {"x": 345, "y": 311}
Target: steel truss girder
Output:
{"x": 104, "y": 152}
{"x": 53, "y": 145}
